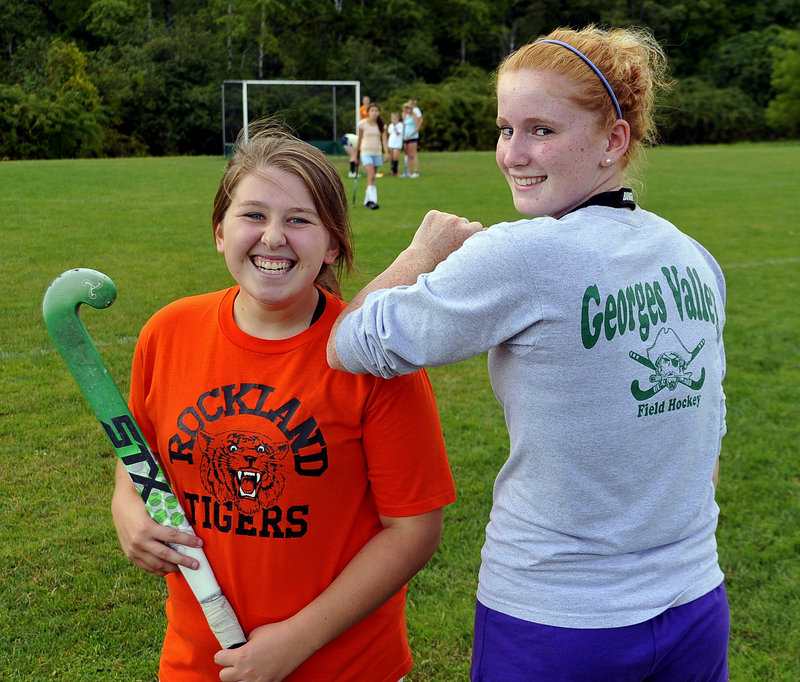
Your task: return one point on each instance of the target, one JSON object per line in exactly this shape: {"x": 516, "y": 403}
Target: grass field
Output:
{"x": 73, "y": 608}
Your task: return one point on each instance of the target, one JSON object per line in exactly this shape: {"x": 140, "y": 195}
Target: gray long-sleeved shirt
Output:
{"x": 605, "y": 338}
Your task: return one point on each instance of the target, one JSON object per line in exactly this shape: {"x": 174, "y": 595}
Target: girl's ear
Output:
{"x": 332, "y": 251}
{"x": 218, "y": 238}
{"x": 619, "y": 137}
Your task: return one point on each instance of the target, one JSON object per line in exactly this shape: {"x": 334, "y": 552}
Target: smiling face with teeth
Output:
{"x": 274, "y": 243}
{"x": 551, "y": 149}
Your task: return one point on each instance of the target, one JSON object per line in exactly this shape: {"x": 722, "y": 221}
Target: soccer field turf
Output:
{"x": 73, "y": 608}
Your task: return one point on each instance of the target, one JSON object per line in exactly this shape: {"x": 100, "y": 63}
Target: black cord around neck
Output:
{"x": 320, "y": 308}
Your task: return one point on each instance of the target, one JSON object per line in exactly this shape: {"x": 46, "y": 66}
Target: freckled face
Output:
{"x": 274, "y": 243}
{"x": 550, "y": 149}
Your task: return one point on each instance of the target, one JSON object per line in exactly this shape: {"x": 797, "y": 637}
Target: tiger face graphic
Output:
{"x": 244, "y": 468}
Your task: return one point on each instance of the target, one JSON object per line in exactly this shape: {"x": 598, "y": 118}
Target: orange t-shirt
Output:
{"x": 282, "y": 466}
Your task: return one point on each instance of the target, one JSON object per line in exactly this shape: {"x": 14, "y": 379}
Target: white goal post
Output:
{"x": 227, "y": 144}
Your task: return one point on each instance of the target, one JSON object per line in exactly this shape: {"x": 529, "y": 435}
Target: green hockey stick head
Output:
{"x": 60, "y": 307}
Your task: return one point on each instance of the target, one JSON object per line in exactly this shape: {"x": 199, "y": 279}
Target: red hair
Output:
{"x": 631, "y": 61}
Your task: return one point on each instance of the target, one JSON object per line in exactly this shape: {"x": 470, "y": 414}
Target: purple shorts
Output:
{"x": 687, "y": 643}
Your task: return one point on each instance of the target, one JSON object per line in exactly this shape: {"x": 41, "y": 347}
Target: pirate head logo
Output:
{"x": 244, "y": 468}
{"x": 668, "y": 359}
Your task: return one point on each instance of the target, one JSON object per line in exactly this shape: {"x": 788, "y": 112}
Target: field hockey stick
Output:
{"x": 355, "y": 181}
{"x": 61, "y": 302}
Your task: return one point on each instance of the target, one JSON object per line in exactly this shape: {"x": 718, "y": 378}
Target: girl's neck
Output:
{"x": 274, "y": 323}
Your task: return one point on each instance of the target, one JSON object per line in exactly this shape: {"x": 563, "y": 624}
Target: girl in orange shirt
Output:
{"x": 316, "y": 494}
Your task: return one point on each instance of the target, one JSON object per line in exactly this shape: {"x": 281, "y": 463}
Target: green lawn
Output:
{"x": 73, "y": 608}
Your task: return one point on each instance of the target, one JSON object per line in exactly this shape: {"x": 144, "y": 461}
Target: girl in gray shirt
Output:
{"x": 604, "y": 328}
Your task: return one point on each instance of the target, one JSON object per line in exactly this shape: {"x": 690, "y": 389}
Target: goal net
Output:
{"x": 319, "y": 112}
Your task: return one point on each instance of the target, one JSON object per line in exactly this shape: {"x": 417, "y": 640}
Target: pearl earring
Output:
{"x": 608, "y": 162}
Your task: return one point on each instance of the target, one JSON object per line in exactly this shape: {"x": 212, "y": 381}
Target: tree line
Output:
{"x": 134, "y": 77}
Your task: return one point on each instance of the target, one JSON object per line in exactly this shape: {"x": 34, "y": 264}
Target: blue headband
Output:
{"x": 593, "y": 67}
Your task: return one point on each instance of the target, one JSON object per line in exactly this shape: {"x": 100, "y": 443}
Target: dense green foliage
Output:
{"x": 125, "y": 77}
{"x": 784, "y": 110}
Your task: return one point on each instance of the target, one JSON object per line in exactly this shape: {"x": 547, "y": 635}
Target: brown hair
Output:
{"x": 631, "y": 60}
{"x": 269, "y": 145}
{"x": 381, "y": 123}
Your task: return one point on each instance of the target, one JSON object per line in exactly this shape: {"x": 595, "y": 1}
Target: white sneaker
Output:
{"x": 414, "y": 175}
{"x": 352, "y": 174}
